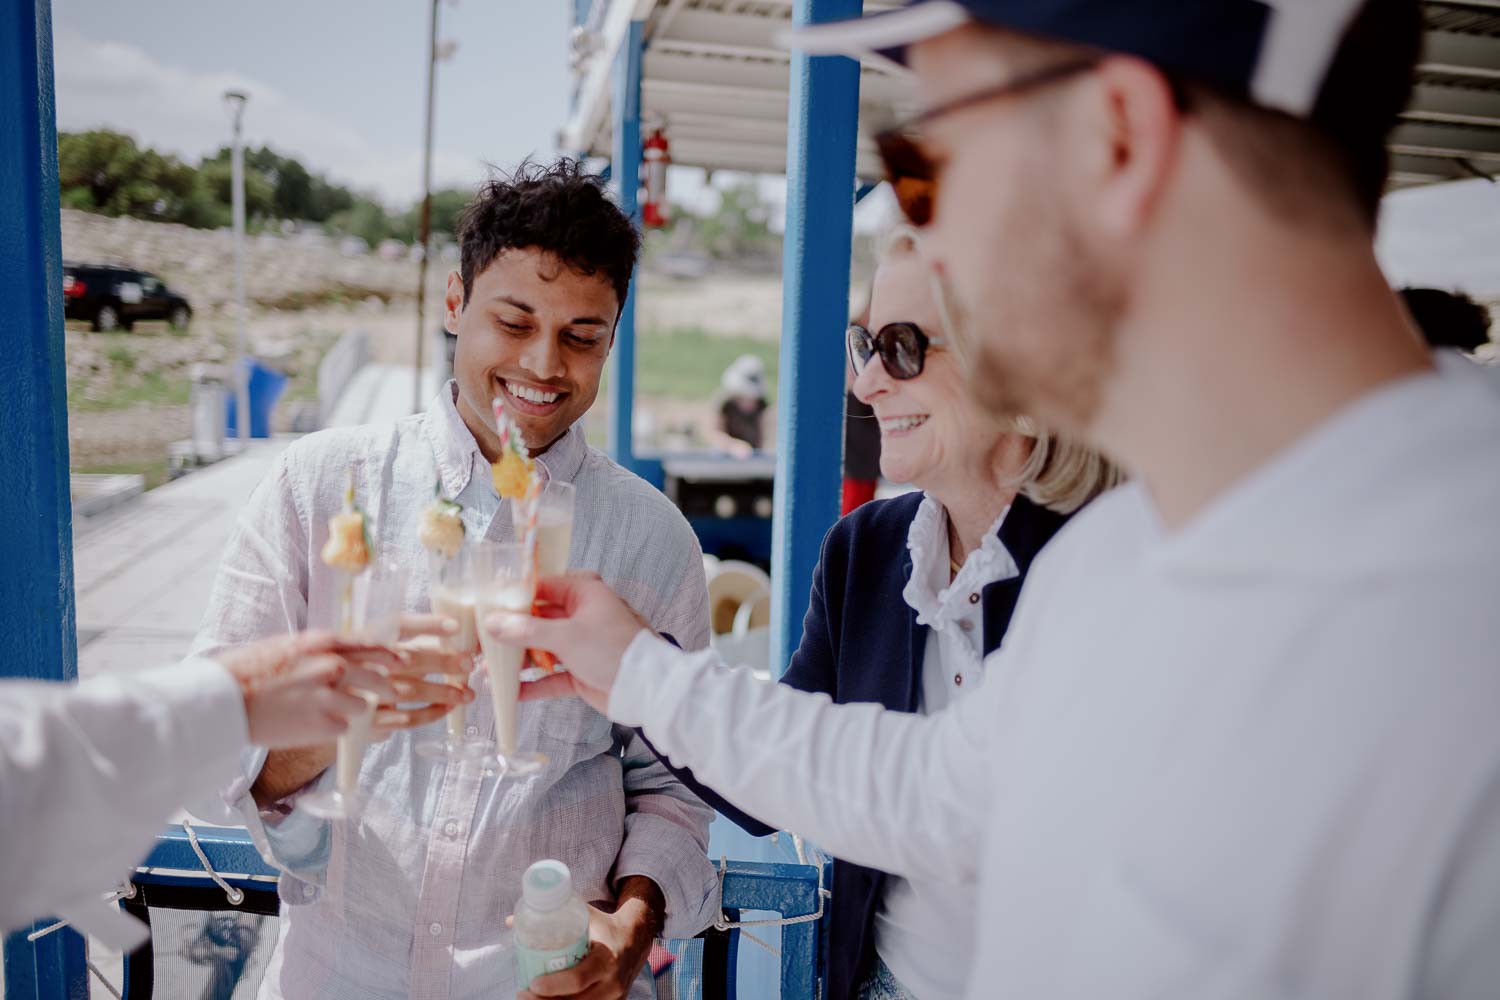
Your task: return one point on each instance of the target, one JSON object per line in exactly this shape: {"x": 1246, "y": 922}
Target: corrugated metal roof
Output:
{"x": 713, "y": 69}
{"x": 1452, "y": 128}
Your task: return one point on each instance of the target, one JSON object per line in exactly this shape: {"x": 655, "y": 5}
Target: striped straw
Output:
{"x": 505, "y": 424}
{"x": 528, "y": 537}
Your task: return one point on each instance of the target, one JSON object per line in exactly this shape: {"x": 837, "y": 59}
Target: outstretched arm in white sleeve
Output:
{"x": 903, "y": 793}
{"x": 90, "y": 771}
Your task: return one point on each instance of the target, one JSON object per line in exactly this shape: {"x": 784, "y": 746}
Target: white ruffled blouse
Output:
{"x": 952, "y": 611}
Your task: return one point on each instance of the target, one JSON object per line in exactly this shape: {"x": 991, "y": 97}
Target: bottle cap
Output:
{"x": 547, "y": 885}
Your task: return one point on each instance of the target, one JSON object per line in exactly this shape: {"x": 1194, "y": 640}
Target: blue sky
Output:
{"x": 340, "y": 83}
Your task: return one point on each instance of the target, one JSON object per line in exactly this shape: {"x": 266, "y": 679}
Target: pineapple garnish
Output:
{"x": 512, "y": 472}
{"x": 348, "y": 547}
{"x": 441, "y": 530}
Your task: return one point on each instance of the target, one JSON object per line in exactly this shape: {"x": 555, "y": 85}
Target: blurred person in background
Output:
{"x": 861, "y": 453}
{"x": 861, "y": 437}
{"x": 740, "y": 413}
{"x": 1450, "y": 320}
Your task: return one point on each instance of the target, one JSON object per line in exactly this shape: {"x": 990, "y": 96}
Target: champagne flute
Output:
{"x": 378, "y": 599}
{"x": 511, "y": 588}
{"x": 554, "y": 526}
{"x": 456, "y": 582}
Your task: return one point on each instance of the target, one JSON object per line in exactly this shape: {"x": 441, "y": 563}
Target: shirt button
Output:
{"x": 958, "y": 680}
{"x": 309, "y": 891}
{"x": 450, "y": 828}
{"x": 472, "y": 731}
{"x": 435, "y": 929}
{"x": 973, "y": 598}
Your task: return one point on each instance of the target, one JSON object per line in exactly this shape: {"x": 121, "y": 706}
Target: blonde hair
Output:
{"x": 1061, "y": 473}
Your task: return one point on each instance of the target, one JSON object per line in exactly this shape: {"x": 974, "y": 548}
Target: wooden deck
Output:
{"x": 142, "y": 570}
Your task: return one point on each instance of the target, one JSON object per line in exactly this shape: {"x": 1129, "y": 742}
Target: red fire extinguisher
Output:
{"x": 657, "y": 156}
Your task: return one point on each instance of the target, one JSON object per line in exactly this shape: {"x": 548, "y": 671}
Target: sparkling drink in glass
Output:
{"x": 554, "y": 526}
{"x": 455, "y": 585}
{"x": 511, "y": 589}
{"x": 379, "y": 600}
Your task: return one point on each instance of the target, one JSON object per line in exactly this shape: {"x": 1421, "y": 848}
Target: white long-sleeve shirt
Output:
{"x": 1255, "y": 757}
{"x": 90, "y": 772}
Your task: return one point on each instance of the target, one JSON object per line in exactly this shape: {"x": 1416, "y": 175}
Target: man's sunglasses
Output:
{"x": 902, "y": 348}
{"x": 908, "y": 167}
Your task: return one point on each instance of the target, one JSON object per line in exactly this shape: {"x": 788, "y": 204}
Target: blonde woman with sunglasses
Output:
{"x": 911, "y": 594}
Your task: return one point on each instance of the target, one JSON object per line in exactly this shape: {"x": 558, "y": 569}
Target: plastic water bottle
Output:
{"x": 551, "y": 923}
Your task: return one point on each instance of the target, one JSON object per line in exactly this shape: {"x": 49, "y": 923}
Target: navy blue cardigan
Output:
{"x": 861, "y": 643}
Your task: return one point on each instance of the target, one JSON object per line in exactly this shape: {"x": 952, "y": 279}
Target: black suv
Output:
{"x": 113, "y": 298}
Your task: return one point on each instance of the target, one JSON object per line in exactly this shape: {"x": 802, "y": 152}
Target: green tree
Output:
{"x": 107, "y": 172}
{"x": 365, "y": 218}
{"x": 293, "y": 197}
{"x": 447, "y": 204}
{"x": 740, "y": 226}
{"x": 327, "y": 200}
{"x": 260, "y": 194}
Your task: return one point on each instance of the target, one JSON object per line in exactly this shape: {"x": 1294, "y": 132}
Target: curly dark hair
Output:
{"x": 553, "y": 207}
{"x": 1448, "y": 319}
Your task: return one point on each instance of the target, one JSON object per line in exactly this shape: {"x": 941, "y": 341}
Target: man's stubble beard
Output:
{"x": 1046, "y": 345}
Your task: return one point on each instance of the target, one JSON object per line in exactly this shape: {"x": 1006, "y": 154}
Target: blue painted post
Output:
{"x": 37, "y": 638}
{"x": 822, "y": 124}
{"x": 625, "y": 169}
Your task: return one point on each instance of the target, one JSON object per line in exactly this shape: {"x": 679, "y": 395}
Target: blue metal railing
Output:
{"x": 625, "y": 175}
{"x": 821, "y": 129}
{"x": 788, "y": 890}
{"x": 38, "y": 639}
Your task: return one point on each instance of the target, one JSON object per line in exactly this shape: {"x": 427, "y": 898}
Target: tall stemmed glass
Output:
{"x": 377, "y": 602}
{"x": 511, "y": 588}
{"x": 456, "y": 583}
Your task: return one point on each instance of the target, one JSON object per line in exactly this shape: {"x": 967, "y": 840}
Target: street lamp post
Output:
{"x": 234, "y": 103}
{"x": 424, "y": 229}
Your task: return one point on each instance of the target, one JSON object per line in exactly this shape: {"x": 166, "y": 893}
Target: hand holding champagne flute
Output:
{"x": 511, "y": 588}
{"x": 456, "y": 581}
{"x": 377, "y": 599}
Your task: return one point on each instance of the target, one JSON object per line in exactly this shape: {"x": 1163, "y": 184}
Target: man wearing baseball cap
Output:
{"x": 1240, "y": 741}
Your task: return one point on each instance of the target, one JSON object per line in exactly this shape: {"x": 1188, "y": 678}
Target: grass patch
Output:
{"x": 687, "y": 362}
{"x": 152, "y": 387}
{"x": 121, "y": 357}
{"x": 155, "y": 472}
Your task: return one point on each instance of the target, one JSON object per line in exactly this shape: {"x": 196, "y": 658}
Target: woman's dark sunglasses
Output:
{"x": 902, "y": 348}
{"x": 908, "y": 167}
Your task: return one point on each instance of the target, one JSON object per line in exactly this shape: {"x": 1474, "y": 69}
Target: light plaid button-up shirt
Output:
{"x": 412, "y": 901}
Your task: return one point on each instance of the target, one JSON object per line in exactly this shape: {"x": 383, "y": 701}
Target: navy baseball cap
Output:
{"x": 1275, "y": 53}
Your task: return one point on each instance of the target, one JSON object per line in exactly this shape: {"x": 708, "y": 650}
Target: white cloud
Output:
{"x": 102, "y": 84}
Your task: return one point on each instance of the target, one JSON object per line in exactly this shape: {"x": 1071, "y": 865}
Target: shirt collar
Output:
{"x": 928, "y": 592}
{"x": 457, "y": 454}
